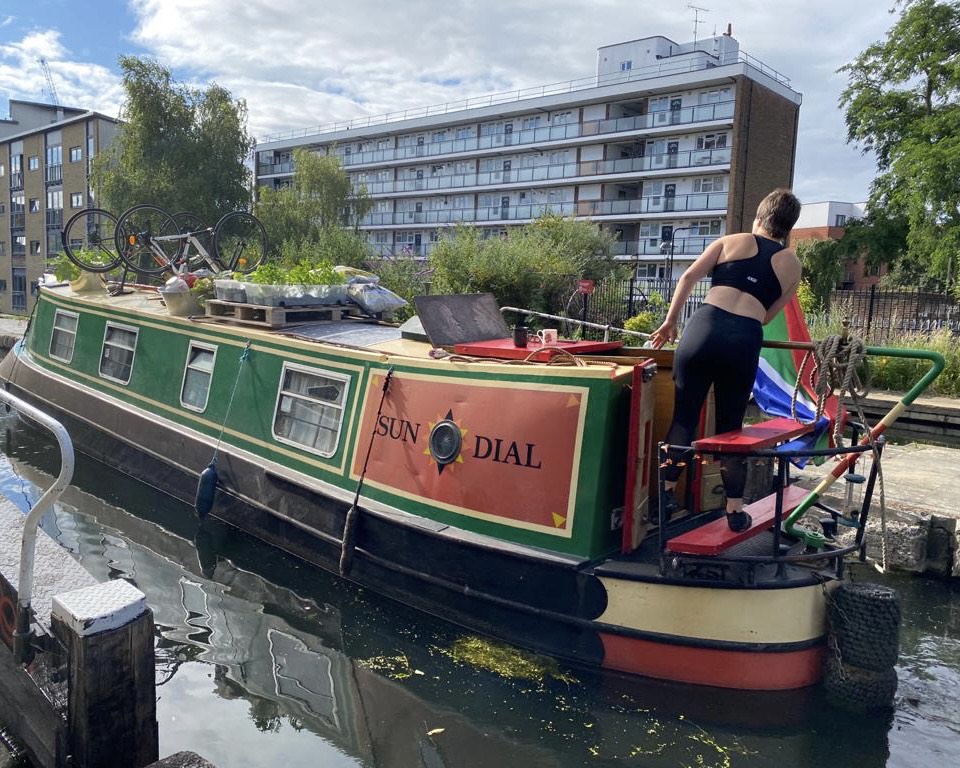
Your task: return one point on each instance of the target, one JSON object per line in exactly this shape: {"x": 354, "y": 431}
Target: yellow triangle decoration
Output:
{"x": 573, "y": 401}
{"x": 559, "y": 521}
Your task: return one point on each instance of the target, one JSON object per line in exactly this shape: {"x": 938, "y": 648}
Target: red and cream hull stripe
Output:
{"x": 750, "y": 639}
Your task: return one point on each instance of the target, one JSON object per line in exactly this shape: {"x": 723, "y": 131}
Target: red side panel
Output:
{"x": 742, "y": 670}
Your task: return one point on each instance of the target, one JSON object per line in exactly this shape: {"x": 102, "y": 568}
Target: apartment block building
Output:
{"x": 45, "y": 155}
{"x": 668, "y": 144}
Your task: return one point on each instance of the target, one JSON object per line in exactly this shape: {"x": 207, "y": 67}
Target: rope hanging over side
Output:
{"x": 838, "y": 361}
{"x": 244, "y": 356}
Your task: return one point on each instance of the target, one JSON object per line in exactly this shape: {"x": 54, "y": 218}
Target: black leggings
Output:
{"x": 722, "y": 349}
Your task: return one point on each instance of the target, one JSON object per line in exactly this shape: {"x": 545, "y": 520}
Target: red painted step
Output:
{"x": 716, "y": 537}
{"x": 754, "y": 437}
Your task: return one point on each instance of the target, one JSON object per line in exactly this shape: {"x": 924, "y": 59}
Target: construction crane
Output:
{"x": 50, "y": 87}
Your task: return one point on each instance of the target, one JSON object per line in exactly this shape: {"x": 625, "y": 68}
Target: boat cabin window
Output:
{"x": 64, "y": 335}
{"x": 310, "y": 409}
{"x": 197, "y": 374}
{"x": 119, "y": 346}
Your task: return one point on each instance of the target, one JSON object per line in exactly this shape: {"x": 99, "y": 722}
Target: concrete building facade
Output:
{"x": 667, "y": 142}
{"x": 45, "y": 156}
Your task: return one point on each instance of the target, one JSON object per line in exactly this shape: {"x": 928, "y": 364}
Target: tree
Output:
{"x": 317, "y": 207}
{"x": 532, "y": 267}
{"x": 180, "y": 148}
{"x": 822, "y": 268}
{"x": 902, "y": 103}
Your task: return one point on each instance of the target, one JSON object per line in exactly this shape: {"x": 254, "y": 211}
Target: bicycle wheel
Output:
{"x": 148, "y": 239}
{"x": 192, "y": 226}
{"x": 240, "y": 242}
{"x": 88, "y": 240}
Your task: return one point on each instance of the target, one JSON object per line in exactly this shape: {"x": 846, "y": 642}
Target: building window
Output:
{"x": 18, "y": 289}
{"x": 3, "y": 208}
{"x": 309, "y": 410}
{"x": 34, "y": 205}
{"x": 76, "y": 154}
{"x": 840, "y": 221}
{"x": 64, "y": 335}
{"x": 714, "y": 96}
{"x": 76, "y": 199}
{"x": 709, "y": 184}
{"x": 34, "y": 247}
{"x": 55, "y": 200}
{"x": 705, "y": 228}
{"x": 626, "y": 66}
{"x": 712, "y": 141}
{"x": 33, "y": 162}
{"x": 116, "y": 358}
{"x": 197, "y": 375}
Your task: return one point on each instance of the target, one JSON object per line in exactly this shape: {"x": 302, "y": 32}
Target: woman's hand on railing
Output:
{"x": 665, "y": 334}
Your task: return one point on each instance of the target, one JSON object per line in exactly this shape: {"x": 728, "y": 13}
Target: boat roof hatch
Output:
{"x": 461, "y": 318}
{"x": 344, "y": 332}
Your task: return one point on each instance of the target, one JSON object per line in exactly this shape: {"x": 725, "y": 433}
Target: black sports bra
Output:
{"x": 754, "y": 275}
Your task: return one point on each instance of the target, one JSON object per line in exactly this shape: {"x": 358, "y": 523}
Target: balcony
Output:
{"x": 272, "y": 169}
{"x": 551, "y": 172}
{"x": 18, "y": 220}
{"x": 53, "y": 174}
{"x": 16, "y": 181}
{"x": 668, "y": 119}
{"x": 464, "y": 215}
{"x": 54, "y": 218}
{"x": 716, "y": 201}
{"x": 650, "y": 246}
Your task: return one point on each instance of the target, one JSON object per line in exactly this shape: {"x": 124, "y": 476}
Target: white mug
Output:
{"x": 547, "y": 336}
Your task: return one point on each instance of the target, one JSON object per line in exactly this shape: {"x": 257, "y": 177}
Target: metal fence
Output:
{"x": 614, "y": 301}
{"x": 882, "y": 315}
{"x": 873, "y": 313}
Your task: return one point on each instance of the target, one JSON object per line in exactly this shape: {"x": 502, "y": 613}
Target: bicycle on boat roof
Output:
{"x": 146, "y": 239}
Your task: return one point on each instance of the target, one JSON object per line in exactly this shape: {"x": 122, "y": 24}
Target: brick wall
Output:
{"x": 764, "y": 157}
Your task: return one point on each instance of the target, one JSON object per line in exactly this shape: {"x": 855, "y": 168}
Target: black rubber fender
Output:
{"x": 865, "y": 624}
{"x": 856, "y": 689}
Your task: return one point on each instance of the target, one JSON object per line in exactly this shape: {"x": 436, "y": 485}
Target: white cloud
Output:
{"x": 303, "y": 64}
{"x": 82, "y": 84}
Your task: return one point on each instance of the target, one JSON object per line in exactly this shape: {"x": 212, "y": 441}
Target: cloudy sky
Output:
{"x": 300, "y": 63}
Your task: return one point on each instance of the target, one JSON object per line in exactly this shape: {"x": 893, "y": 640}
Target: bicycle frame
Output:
{"x": 180, "y": 264}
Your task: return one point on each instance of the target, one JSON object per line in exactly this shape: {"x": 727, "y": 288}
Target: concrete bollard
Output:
{"x": 107, "y": 633}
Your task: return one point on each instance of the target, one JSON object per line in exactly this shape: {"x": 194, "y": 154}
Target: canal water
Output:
{"x": 262, "y": 661}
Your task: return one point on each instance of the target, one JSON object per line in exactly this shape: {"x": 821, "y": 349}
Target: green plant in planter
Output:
{"x": 66, "y": 271}
{"x": 265, "y": 274}
{"x": 314, "y": 273}
{"x": 202, "y": 290}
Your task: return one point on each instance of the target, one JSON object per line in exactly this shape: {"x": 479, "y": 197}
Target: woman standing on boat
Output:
{"x": 753, "y": 277}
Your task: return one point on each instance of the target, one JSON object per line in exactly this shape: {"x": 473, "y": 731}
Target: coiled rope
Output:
{"x": 840, "y": 364}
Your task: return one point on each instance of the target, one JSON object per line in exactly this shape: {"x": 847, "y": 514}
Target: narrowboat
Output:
{"x": 504, "y": 488}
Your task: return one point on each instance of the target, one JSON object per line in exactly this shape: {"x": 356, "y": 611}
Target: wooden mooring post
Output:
{"x": 107, "y": 633}
{"x": 86, "y": 697}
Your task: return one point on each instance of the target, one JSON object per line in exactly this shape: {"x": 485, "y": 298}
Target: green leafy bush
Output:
{"x": 532, "y": 267}
{"x": 407, "y": 278}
